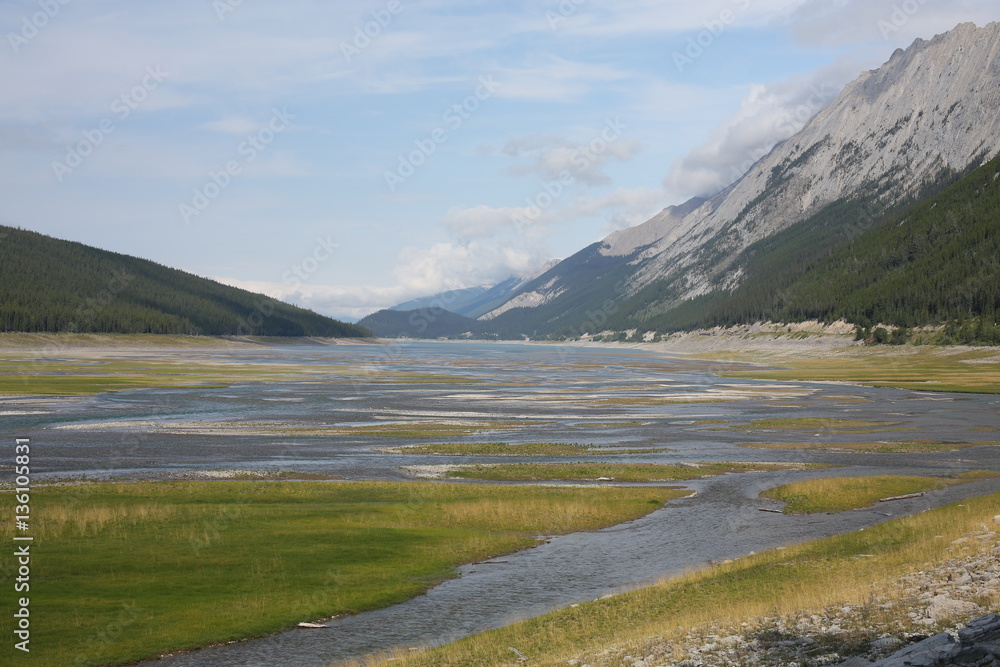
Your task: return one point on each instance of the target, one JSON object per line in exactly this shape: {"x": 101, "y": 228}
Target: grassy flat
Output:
{"x": 431, "y": 429}
{"x": 423, "y": 429}
{"x": 839, "y": 494}
{"x": 44, "y": 341}
{"x": 619, "y": 472}
{"x": 652, "y": 400}
{"x": 885, "y": 447}
{"x": 181, "y": 565}
{"x": 833, "y": 572}
{"x": 923, "y": 368}
{"x": 87, "y": 374}
{"x": 830, "y": 425}
{"x": 527, "y": 449}
{"x": 65, "y": 372}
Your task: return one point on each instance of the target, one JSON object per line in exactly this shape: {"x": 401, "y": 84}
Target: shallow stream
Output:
{"x": 515, "y": 394}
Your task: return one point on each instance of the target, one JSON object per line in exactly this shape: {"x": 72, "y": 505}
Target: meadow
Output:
{"x": 129, "y": 571}
{"x": 505, "y": 449}
{"x": 879, "y": 447}
{"x": 917, "y": 368}
{"x": 839, "y": 494}
{"x": 850, "y": 569}
{"x": 619, "y": 472}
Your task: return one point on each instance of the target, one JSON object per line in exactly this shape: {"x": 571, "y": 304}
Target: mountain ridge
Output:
{"x": 52, "y": 285}
{"x": 930, "y": 112}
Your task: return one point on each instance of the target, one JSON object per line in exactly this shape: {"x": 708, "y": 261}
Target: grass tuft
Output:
{"x": 619, "y": 472}
{"x": 527, "y": 449}
{"x": 845, "y": 570}
{"x": 839, "y": 494}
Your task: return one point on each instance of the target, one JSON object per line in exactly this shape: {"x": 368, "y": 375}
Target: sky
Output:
{"x": 349, "y": 156}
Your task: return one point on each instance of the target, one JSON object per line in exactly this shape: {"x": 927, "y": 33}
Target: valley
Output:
{"x": 253, "y": 419}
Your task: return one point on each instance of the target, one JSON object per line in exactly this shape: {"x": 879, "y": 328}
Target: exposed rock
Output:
{"x": 944, "y": 608}
{"x": 886, "y": 631}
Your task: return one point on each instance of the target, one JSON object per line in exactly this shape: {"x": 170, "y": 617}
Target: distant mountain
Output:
{"x": 51, "y": 285}
{"x": 424, "y": 323}
{"x": 457, "y": 301}
{"x": 474, "y": 301}
{"x": 893, "y": 138}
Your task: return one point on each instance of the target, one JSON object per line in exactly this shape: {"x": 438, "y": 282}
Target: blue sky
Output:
{"x": 347, "y": 156}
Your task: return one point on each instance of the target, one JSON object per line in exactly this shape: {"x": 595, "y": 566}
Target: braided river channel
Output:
{"x": 334, "y": 422}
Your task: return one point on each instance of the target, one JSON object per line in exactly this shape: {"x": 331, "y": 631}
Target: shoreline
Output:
{"x": 72, "y": 342}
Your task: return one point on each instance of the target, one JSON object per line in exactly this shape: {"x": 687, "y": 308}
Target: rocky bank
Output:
{"x": 937, "y": 616}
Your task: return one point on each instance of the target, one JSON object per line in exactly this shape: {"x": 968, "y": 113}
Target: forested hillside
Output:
{"x": 936, "y": 263}
{"x": 51, "y": 285}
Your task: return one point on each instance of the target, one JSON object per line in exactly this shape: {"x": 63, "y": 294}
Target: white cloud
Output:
{"x": 342, "y": 302}
{"x": 767, "y": 115}
{"x": 234, "y": 125}
{"x": 553, "y": 157}
{"x": 419, "y": 272}
{"x": 772, "y": 113}
{"x": 894, "y": 23}
{"x": 479, "y": 222}
{"x": 448, "y": 266}
{"x": 556, "y": 79}
{"x": 619, "y": 18}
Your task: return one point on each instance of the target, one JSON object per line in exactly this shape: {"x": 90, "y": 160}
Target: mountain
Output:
{"x": 938, "y": 261}
{"x": 893, "y": 137}
{"x": 424, "y": 323}
{"x": 47, "y": 284}
{"x": 457, "y": 301}
{"x": 474, "y": 302}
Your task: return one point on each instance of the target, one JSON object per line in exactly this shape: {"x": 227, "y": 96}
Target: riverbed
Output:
{"x": 358, "y": 401}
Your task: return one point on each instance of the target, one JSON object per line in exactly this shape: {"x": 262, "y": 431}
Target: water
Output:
{"x": 611, "y": 398}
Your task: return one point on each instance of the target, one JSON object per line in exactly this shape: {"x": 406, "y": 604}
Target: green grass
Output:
{"x": 124, "y": 572}
{"x": 649, "y": 400}
{"x": 619, "y": 472}
{"x": 70, "y": 372}
{"x": 848, "y": 569}
{"x": 527, "y": 449}
{"x": 839, "y": 494}
{"x": 922, "y": 368}
{"x": 430, "y": 429}
{"x": 22, "y": 375}
{"x": 43, "y": 341}
{"x": 977, "y": 474}
{"x": 829, "y": 424}
{"x": 885, "y": 447}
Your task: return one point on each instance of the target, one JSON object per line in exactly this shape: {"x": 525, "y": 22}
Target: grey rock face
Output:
{"x": 930, "y": 109}
{"x": 934, "y": 106}
{"x": 976, "y": 646}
